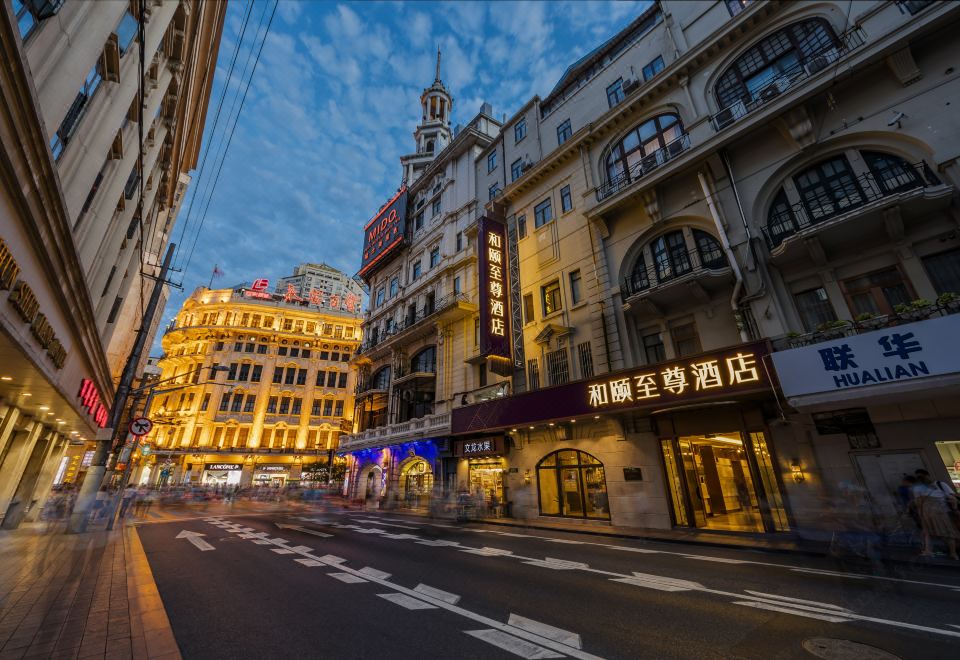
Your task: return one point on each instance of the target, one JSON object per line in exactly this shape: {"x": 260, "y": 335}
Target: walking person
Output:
{"x": 935, "y": 506}
{"x": 129, "y": 495}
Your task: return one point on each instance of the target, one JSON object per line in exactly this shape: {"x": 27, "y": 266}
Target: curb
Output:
{"x": 152, "y": 636}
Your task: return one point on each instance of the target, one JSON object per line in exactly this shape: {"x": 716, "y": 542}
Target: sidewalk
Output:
{"x": 86, "y": 595}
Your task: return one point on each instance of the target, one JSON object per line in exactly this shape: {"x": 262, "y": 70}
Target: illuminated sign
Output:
{"x": 273, "y": 468}
{"x": 259, "y": 289}
{"x": 494, "y": 319}
{"x": 384, "y": 232}
{"x": 90, "y": 399}
{"x": 25, "y": 302}
{"x": 668, "y": 381}
{"x": 316, "y": 297}
{"x": 488, "y": 446}
{"x": 230, "y": 467}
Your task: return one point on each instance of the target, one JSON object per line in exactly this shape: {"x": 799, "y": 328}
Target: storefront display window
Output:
{"x": 416, "y": 482}
{"x": 572, "y": 483}
{"x": 486, "y": 477}
{"x": 950, "y": 453}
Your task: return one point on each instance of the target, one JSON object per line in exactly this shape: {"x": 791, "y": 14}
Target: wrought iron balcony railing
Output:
{"x": 672, "y": 266}
{"x": 411, "y": 320}
{"x": 844, "y": 198}
{"x": 643, "y": 167}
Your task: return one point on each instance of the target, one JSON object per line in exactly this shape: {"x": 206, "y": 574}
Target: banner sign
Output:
{"x": 494, "y": 289}
{"x": 384, "y": 232}
{"x": 904, "y": 352}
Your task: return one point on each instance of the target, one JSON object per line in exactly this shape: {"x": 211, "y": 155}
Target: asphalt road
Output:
{"x": 335, "y": 584}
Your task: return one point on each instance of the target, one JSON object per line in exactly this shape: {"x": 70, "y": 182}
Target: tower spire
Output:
{"x": 437, "y": 78}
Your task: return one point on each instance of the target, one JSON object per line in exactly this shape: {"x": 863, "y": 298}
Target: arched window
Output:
{"x": 781, "y": 55}
{"x": 381, "y": 379}
{"x": 572, "y": 483}
{"x": 639, "y": 276}
{"x": 425, "y": 361}
{"x": 711, "y": 254}
{"x": 892, "y": 173}
{"x": 638, "y": 150}
{"x": 670, "y": 257}
{"x": 828, "y": 188}
{"x": 780, "y": 221}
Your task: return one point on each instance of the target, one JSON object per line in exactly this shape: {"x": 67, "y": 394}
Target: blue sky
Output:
{"x": 333, "y": 104}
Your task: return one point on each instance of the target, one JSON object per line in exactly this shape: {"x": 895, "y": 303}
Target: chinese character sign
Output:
{"x": 90, "y": 400}
{"x": 494, "y": 289}
{"x": 660, "y": 383}
{"x": 905, "y": 352}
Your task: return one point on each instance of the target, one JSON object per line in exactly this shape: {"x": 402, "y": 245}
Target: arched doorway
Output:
{"x": 416, "y": 481}
{"x": 371, "y": 482}
{"x": 572, "y": 483}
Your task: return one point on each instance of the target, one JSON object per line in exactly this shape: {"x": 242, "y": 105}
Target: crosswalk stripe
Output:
{"x": 409, "y": 602}
{"x": 349, "y": 578}
{"x": 283, "y": 551}
{"x": 374, "y": 573}
{"x": 309, "y": 562}
{"x": 514, "y": 645}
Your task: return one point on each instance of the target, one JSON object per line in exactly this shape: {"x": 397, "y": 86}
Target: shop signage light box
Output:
{"x": 494, "y": 289}
{"x": 384, "y": 233}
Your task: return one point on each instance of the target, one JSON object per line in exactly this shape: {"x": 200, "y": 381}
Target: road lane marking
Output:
{"x": 831, "y": 618}
{"x": 332, "y": 559}
{"x": 349, "y": 578}
{"x": 373, "y": 573}
{"x": 569, "y": 541}
{"x": 282, "y": 551}
{"x": 512, "y": 644}
{"x": 309, "y": 562}
{"x": 304, "y": 530}
{"x": 557, "y": 564}
{"x": 550, "y": 632}
{"x": 719, "y": 560}
{"x": 659, "y": 583}
{"x": 377, "y": 522}
{"x": 263, "y": 542}
{"x": 409, "y": 602}
{"x": 487, "y": 551}
{"x": 194, "y": 538}
{"x": 800, "y": 601}
{"x": 440, "y": 594}
{"x": 439, "y": 543}
{"x": 629, "y": 549}
{"x": 301, "y": 548}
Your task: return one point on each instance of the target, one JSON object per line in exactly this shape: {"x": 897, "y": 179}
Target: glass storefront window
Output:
{"x": 487, "y": 477}
{"x": 768, "y": 475}
{"x": 950, "y": 453}
{"x": 416, "y": 482}
{"x": 572, "y": 483}
{"x": 674, "y": 485}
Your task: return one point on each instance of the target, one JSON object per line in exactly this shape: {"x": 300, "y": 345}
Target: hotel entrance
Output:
{"x": 724, "y": 480}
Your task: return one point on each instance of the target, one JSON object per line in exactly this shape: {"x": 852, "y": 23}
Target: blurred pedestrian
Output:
{"x": 935, "y": 505}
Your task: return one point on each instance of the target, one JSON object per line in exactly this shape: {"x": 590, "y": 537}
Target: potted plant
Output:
{"x": 949, "y": 301}
{"x": 870, "y": 321}
{"x": 832, "y": 329}
{"x": 920, "y": 308}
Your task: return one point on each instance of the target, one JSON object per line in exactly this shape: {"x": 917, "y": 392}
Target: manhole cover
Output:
{"x": 844, "y": 649}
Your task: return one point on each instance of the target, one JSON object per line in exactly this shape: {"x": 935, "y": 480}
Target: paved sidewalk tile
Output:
{"x": 86, "y": 595}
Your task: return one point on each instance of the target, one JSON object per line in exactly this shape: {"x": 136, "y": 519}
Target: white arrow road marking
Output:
{"x": 349, "y": 578}
{"x": 660, "y": 583}
{"x": 373, "y": 573}
{"x": 512, "y": 644}
{"x": 194, "y": 538}
{"x": 719, "y": 560}
{"x": 832, "y": 618}
{"x": 440, "y": 594}
{"x": 309, "y": 562}
{"x": 305, "y": 530}
{"x": 542, "y": 629}
{"x": 408, "y": 602}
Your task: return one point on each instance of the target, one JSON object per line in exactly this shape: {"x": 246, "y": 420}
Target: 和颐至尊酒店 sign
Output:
{"x": 494, "y": 289}
{"x": 901, "y": 353}
{"x": 384, "y": 232}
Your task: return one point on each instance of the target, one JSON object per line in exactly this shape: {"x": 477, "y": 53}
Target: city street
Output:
{"x": 352, "y": 584}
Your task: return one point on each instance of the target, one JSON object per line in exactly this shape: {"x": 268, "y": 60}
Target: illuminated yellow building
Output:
{"x": 279, "y": 400}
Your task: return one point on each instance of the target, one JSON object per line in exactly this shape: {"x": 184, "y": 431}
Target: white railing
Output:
{"x": 399, "y": 432}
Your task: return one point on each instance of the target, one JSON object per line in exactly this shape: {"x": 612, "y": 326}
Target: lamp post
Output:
{"x": 152, "y": 391}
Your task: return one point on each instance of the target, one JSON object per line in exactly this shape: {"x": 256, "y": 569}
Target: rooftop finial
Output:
{"x": 437, "y": 79}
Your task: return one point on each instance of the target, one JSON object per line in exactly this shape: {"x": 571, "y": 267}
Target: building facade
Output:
{"x": 719, "y": 184}
{"x": 85, "y": 212}
{"x": 420, "y": 356}
{"x": 276, "y": 405}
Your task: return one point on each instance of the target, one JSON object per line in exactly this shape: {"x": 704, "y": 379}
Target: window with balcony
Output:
{"x": 457, "y": 288}
{"x": 76, "y": 111}
{"x": 644, "y": 148}
{"x": 709, "y": 250}
{"x": 381, "y": 379}
{"x": 944, "y": 271}
{"x": 425, "y": 361}
{"x": 670, "y": 256}
{"x": 814, "y": 308}
{"x": 516, "y": 169}
{"x": 615, "y": 93}
{"x": 892, "y": 173}
{"x": 765, "y": 69}
{"x": 828, "y": 188}
{"x": 558, "y": 368}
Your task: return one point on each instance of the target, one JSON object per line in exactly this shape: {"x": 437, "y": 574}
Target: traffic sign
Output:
{"x": 140, "y": 426}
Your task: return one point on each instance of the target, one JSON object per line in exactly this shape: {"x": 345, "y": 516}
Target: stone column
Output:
{"x": 19, "y": 450}
{"x": 27, "y": 483}
{"x": 51, "y": 464}
{"x": 8, "y": 418}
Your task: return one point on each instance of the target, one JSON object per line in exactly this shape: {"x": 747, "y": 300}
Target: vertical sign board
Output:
{"x": 384, "y": 232}
{"x": 494, "y": 289}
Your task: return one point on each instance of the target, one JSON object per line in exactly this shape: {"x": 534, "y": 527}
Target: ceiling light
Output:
{"x": 5, "y": 378}
{"x": 513, "y": 430}
{"x": 60, "y": 421}
{"x": 596, "y": 416}
{"x": 50, "y": 413}
{"x": 25, "y": 394}
{"x": 44, "y": 407}
{"x": 573, "y": 421}
{"x": 73, "y": 433}
{"x": 531, "y": 428}
{"x": 551, "y": 423}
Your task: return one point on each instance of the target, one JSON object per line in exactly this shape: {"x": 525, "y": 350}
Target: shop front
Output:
{"x": 221, "y": 474}
{"x": 274, "y": 475}
{"x": 684, "y": 443}
{"x": 877, "y": 407}
{"x": 480, "y": 469}
{"x": 400, "y": 475}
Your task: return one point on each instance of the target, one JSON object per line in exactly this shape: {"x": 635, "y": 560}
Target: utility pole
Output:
{"x": 107, "y": 437}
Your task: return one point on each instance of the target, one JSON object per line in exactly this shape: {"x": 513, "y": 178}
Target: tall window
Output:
{"x": 615, "y": 93}
{"x": 944, "y": 271}
{"x": 828, "y": 188}
{"x": 814, "y": 308}
{"x": 434, "y": 257}
{"x": 26, "y": 21}
{"x": 780, "y": 55}
{"x": 79, "y": 106}
{"x": 380, "y": 296}
{"x": 566, "y": 199}
{"x": 737, "y": 6}
{"x": 394, "y": 286}
{"x": 876, "y": 293}
{"x": 519, "y": 130}
{"x": 558, "y": 370}
{"x": 425, "y": 361}
{"x": 521, "y": 226}
{"x": 711, "y": 254}
{"x": 493, "y": 191}
{"x": 417, "y": 270}
{"x": 564, "y": 132}
{"x": 550, "y": 296}
{"x": 653, "y": 349}
{"x": 533, "y": 374}
{"x": 542, "y": 213}
{"x": 639, "y": 275}
{"x": 436, "y": 207}
{"x": 653, "y": 68}
{"x": 686, "y": 341}
{"x": 585, "y": 357}
{"x": 528, "y": 308}
{"x": 126, "y": 32}
{"x": 670, "y": 256}
{"x": 572, "y": 483}
{"x": 639, "y": 149}
{"x": 459, "y": 241}
{"x": 516, "y": 169}
{"x": 491, "y": 161}
{"x": 892, "y": 173}
{"x": 576, "y": 294}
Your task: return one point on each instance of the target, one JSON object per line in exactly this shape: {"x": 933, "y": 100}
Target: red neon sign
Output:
{"x": 90, "y": 399}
